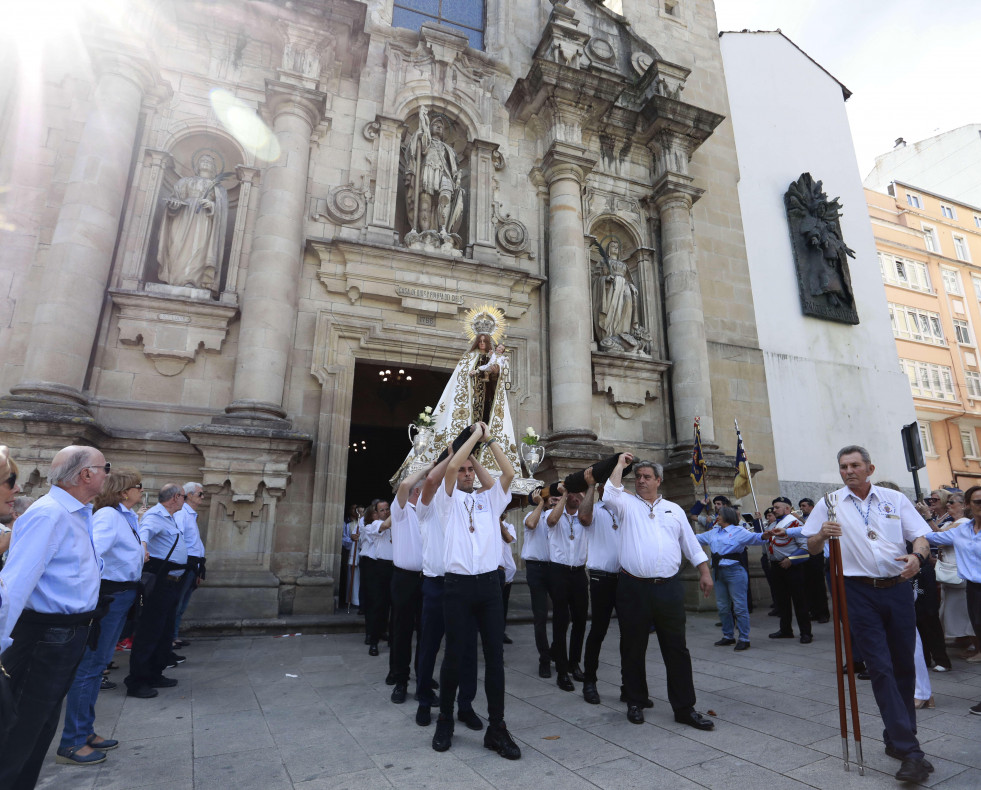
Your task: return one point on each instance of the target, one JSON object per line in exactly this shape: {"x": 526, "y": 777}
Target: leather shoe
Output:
{"x": 498, "y": 739}
{"x": 398, "y": 693}
{"x": 782, "y": 635}
{"x": 725, "y": 642}
{"x": 806, "y": 639}
{"x": 891, "y": 751}
{"x": 740, "y": 645}
{"x": 635, "y": 714}
{"x": 577, "y": 673}
{"x": 913, "y": 771}
{"x": 564, "y": 683}
{"x": 161, "y": 682}
{"x": 695, "y": 719}
{"x": 142, "y": 692}
{"x": 423, "y": 716}
{"x": 544, "y": 669}
{"x": 648, "y": 703}
{"x": 373, "y": 650}
{"x": 507, "y": 640}
{"x": 471, "y": 719}
{"x": 590, "y": 694}
{"x": 864, "y": 676}
{"x": 443, "y": 738}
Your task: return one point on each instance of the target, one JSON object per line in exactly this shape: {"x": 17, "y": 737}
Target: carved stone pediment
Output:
{"x": 171, "y": 325}
{"x": 628, "y": 382}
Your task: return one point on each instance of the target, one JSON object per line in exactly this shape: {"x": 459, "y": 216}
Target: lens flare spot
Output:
{"x": 244, "y": 124}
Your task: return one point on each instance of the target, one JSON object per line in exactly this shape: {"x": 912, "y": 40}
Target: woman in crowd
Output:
{"x": 953, "y": 604}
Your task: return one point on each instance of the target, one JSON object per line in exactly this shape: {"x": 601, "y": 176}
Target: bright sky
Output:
{"x": 913, "y": 66}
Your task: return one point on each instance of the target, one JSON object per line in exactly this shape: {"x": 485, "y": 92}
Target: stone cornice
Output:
{"x": 305, "y": 103}
{"x": 673, "y": 188}
{"x": 563, "y": 160}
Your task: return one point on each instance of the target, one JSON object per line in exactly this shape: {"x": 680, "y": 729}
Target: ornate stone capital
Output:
{"x": 670, "y": 190}
{"x": 248, "y": 175}
{"x": 282, "y": 98}
{"x": 566, "y": 161}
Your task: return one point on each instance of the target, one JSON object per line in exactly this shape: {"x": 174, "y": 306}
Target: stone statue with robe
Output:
{"x": 434, "y": 193}
{"x": 616, "y": 313}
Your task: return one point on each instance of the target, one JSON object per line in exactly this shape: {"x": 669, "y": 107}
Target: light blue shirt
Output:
{"x": 158, "y": 530}
{"x": 967, "y": 544}
{"x": 346, "y": 540}
{"x": 187, "y": 520}
{"x": 729, "y": 540}
{"x": 115, "y": 532}
{"x": 52, "y": 567}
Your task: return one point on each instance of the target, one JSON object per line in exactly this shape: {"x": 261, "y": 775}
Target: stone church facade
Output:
{"x": 575, "y": 168}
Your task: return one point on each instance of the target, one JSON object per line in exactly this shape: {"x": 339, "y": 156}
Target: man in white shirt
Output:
{"x": 377, "y": 583}
{"x": 472, "y": 552}
{"x": 872, "y": 527}
{"x": 655, "y": 536}
{"x": 187, "y": 520}
{"x": 534, "y": 552}
{"x": 569, "y": 585}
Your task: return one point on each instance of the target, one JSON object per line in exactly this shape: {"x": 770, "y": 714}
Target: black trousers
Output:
{"x": 406, "y": 614}
{"x": 789, "y": 589}
{"x": 429, "y": 642}
{"x": 974, "y": 606}
{"x": 603, "y": 599}
{"x": 154, "y": 635}
{"x": 817, "y": 592}
{"x": 928, "y": 618}
{"x": 41, "y": 663}
{"x": 470, "y": 601}
{"x": 536, "y": 572}
{"x": 765, "y": 565}
{"x": 505, "y": 593}
{"x": 366, "y": 590}
{"x": 570, "y": 600}
{"x": 342, "y": 580}
{"x": 378, "y": 613}
{"x": 642, "y": 604}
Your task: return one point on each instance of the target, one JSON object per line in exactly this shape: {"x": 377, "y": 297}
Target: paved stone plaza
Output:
{"x": 313, "y": 712}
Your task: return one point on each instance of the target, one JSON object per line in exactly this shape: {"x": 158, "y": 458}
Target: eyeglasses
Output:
{"x": 931, "y": 499}
{"x": 107, "y": 467}
{"x": 138, "y": 486}
{"x": 11, "y": 481}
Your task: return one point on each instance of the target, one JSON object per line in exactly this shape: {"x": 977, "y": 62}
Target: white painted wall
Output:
{"x": 829, "y": 384}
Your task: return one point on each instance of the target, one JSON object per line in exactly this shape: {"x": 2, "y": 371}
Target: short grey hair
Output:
{"x": 190, "y": 488}
{"x": 21, "y": 504}
{"x": 168, "y": 492}
{"x": 729, "y": 515}
{"x": 854, "y": 448}
{"x": 656, "y": 468}
{"x": 68, "y": 470}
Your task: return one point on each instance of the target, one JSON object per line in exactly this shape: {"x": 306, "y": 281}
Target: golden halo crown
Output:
{"x": 485, "y": 320}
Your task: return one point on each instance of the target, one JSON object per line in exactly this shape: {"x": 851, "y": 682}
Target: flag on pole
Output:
{"x": 698, "y": 466}
{"x": 742, "y": 485}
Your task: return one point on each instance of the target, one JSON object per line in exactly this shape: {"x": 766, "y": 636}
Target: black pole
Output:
{"x": 916, "y": 486}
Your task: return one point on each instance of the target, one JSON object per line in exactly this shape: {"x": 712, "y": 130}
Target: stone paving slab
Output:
{"x": 313, "y": 713}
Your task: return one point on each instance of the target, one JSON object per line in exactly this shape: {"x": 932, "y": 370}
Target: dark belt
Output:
{"x": 602, "y": 574}
{"x": 108, "y": 586}
{"x": 537, "y": 562}
{"x": 387, "y": 562}
{"x": 54, "y": 620}
{"x": 654, "y": 580}
{"x": 889, "y": 581}
{"x": 408, "y": 572}
{"x": 486, "y": 574}
{"x": 571, "y": 568}
{"x": 737, "y": 556}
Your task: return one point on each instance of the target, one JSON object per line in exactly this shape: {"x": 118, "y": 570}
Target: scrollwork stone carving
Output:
{"x": 371, "y": 130}
{"x": 345, "y": 204}
{"x": 511, "y": 235}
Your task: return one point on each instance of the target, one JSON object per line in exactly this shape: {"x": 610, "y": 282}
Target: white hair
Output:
{"x": 67, "y": 471}
{"x": 190, "y": 488}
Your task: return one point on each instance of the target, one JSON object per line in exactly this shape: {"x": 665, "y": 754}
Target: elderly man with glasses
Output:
{"x": 187, "y": 520}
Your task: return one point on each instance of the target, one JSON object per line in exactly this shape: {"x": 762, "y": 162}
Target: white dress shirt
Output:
{"x": 115, "y": 533}
{"x": 891, "y": 517}
{"x": 507, "y": 555}
{"x": 366, "y": 542}
{"x": 603, "y": 541}
{"x": 406, "y": 540}
{"x": 431, "y": 532}
{"x": 465, "y": 552}
{"x": 563, "y": 549}
{"x": 654, "y": 536}
{"x": 187, "y": 520}
{"x": 536, "y": 541}
{"x": 381, "y": 542}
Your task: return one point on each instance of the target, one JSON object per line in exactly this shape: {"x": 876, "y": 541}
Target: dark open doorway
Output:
{"x": 386, "y": 399}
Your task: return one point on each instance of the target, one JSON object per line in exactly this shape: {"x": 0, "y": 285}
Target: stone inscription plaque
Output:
{"x": 425, "y": 293}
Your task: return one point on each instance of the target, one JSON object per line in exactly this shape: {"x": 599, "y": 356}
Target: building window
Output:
{"x": 926, "y": 439}
{"x": 931, "y": 239}
{"x": 973, "y": 379}
{"x": 914, "y": 200}
{"x": 467, "y": 16}
{"x": 960, "y": 249}
{"x": 927, "y": 380}
{"x": 952, "y": 281}
{"x": 904, "y": 272}
{"x": 909, "y": 323}
{"x": 969, "y": 443}
{"x": 963, "y": 331}
{"x": 948, "y": 212}
{"x": 977, "y": 287}
{"x": 977, "y": 221}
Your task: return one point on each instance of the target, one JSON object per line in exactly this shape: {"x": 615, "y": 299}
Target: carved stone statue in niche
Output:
{"x": 820, "y": 253}
{"x": 192, "y": 235}
{"x": 434, "y": 194}
{"x": 616, "y": 304}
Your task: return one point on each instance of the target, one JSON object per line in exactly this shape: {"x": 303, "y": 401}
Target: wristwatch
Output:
{"x": 920, "y": 557}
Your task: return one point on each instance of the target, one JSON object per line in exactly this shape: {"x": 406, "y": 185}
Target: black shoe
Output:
{"x": 695, "y": 719}
{"x": 443, "y": 737}
{"x": 508, "y": 640}
{"x": 577, "y": 673}
{"x": 864, "y": 676}
{"x": 590, "y": 694}
{"x": 635, "y": 714}
{"x": 648, "y": 703}
{"x": 373, "y": 650}
{"x": 398, "y": 693}
{"x": 423, "y": 716}
{"x": 161, "y": 682}
{"x": 773, "y": 613}
{"x": 857, "y": 666}
{"x": 471, "y": 719}
{"x": 544, "y": 669}
{"x": 822, "y": 620}
{"x": 740, "y": 645}
{"x": 498, "y": 739}
{"x": 976, "y": 709}
{"x": 725, "y": 642}
{"x": 913, "y": 771}
{"x": 389, "y": 679}
{"x": 806, "y": 639}
{"x": 175, "y": 661}
{"x": 564, "y": 683}
{"x": 107, "y": 685}
{"x": 891, "y": 751}
{"x": 782, "y": 635}
{"x": 142, "y": 692}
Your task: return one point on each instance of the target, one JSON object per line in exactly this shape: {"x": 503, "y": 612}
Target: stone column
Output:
{"x": 565, "y": 168}
{"x": 270, "y": 298}
{"x": 72, "y": 288}
{"x": 691, "y": 389}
